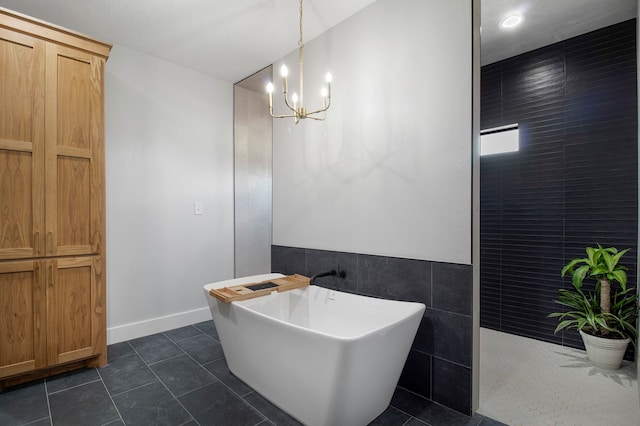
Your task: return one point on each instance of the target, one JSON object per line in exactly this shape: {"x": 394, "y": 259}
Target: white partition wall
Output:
{"x": 389, "y": 171}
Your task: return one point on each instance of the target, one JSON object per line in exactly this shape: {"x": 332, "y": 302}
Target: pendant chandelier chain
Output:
{"x": 300, "y": 43}
{"x": 300, "y": 60}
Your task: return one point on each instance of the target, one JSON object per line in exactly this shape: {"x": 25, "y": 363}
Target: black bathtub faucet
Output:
{"x": 331, "y": 273}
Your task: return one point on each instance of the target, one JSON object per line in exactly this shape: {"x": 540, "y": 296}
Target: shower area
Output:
{"x": 572, "y": 183}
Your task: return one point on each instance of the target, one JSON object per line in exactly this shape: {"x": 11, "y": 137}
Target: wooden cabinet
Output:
{"x": 51, "y": 312}
{"x": 52, "y": 198}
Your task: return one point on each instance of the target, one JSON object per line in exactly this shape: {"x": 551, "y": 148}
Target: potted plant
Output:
{"x": 606, "y": 317}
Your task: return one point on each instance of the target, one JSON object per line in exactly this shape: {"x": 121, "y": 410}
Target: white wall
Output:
{"x": 389, "y": 171}
{"x": 168, "y": 144}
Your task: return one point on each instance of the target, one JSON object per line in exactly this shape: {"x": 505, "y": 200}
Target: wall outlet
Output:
{"x": 198, "y": 208}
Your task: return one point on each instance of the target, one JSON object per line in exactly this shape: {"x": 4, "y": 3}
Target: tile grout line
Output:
{"x": 241, "y": 397}
{"x": 412, "y": 418}
{"x": 129, "y": 390}
{"x": 76, "y": 386}
{"x": 46, "y": 393}
{"x": 37, "y": 421}
{"x": 164, "y": 385}
{"x": 111, "y": 399}
{"x": 408, "y": 414}
{"x": 216, "y": 377}
{"x": 431, "y": 401}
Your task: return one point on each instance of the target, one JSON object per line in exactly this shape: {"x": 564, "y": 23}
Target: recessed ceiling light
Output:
{"x": 511, "y": 21}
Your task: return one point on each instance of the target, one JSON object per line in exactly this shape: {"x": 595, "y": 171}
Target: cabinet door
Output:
{"x": 22, "y": 67}
{"x": 22, "y": 317}
{"x": 74, "y": 152}
{"x": 75, "y": 309}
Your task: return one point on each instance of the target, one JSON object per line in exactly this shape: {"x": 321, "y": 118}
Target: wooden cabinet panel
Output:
{"x": 74, "y": 203}
{"x": 21, "y": 85}
{"x": 78, "y": 100}
{"x": 22, "y": 317}
{"x": 74, "y": 152}
{"x": 75, "y": 309}
{"x": 21, "y": 146}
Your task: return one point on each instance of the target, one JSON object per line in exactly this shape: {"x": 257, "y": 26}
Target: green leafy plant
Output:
{"x": 599, "y": 312}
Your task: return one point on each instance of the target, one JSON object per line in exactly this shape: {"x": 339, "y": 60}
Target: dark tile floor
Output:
{"x": 178, "y": 377}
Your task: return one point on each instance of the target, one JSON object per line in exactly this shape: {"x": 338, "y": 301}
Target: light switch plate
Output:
{"x": 198, "y": 208}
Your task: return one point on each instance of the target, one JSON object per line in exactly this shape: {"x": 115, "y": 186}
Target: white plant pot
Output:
{"x": 605, "y": 353}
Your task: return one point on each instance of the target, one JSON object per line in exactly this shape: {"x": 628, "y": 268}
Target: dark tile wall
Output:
{"x": 572, "y": 184}
{"x": 439, "y": 364}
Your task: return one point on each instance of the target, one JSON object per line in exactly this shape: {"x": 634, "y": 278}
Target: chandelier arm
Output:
{"x": 316, "y": 112}
{"x": 286, "y": 102}
{"x": 317, "y": 118}
{"x": 322, "y": 109}
{"x": 283, "y": 116}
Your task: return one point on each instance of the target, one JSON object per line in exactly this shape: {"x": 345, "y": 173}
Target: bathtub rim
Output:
{"x": 353, "y": 338}
{"x": 416, "y": 306}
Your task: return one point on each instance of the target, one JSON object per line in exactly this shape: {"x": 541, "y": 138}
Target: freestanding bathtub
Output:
{"x": 323, "y": 356}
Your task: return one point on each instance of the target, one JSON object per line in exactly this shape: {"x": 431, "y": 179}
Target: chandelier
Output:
{"x": 296, "y": 105}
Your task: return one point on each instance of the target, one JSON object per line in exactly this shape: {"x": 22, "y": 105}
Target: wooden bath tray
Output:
{"x": 262, "y": 288}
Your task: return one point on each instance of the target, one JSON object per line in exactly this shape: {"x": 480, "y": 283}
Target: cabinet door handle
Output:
{"x": 50, "y": 276}
{"x": 39, "y": 283}
{"x": 50, "y": 242}
{"x": 38, "y": 242}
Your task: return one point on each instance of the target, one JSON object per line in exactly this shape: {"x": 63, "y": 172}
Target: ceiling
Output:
{"x": 232, "y": 39}
{"x": 228, "y": 39}
{"x": 545, "y": 22}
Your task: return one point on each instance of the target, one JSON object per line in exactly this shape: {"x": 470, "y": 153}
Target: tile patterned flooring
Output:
{"x": 178, "y": 377}
{"x": 526, "y": 382}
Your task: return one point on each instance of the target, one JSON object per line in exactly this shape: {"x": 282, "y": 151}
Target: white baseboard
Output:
{"x": 134, "y": 330}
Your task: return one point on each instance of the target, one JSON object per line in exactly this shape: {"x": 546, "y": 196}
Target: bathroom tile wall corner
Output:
{"x": 439, "y": 364}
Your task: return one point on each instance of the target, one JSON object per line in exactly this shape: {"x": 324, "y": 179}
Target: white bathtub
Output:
{"x": 323, "y": 356}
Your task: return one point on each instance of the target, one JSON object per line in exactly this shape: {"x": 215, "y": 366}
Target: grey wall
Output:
{"x": 252, "y": 178}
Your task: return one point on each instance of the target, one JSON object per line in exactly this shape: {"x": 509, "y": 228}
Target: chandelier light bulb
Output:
{"x": 284, "y": 71}
{"x": 324, "y": 92}
{"x": 294, "y": 98}
{"x": 270, "y": 87}
{"x": 329, "y": 77}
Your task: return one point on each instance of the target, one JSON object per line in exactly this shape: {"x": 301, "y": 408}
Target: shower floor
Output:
{"x": 528, "y": 382}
